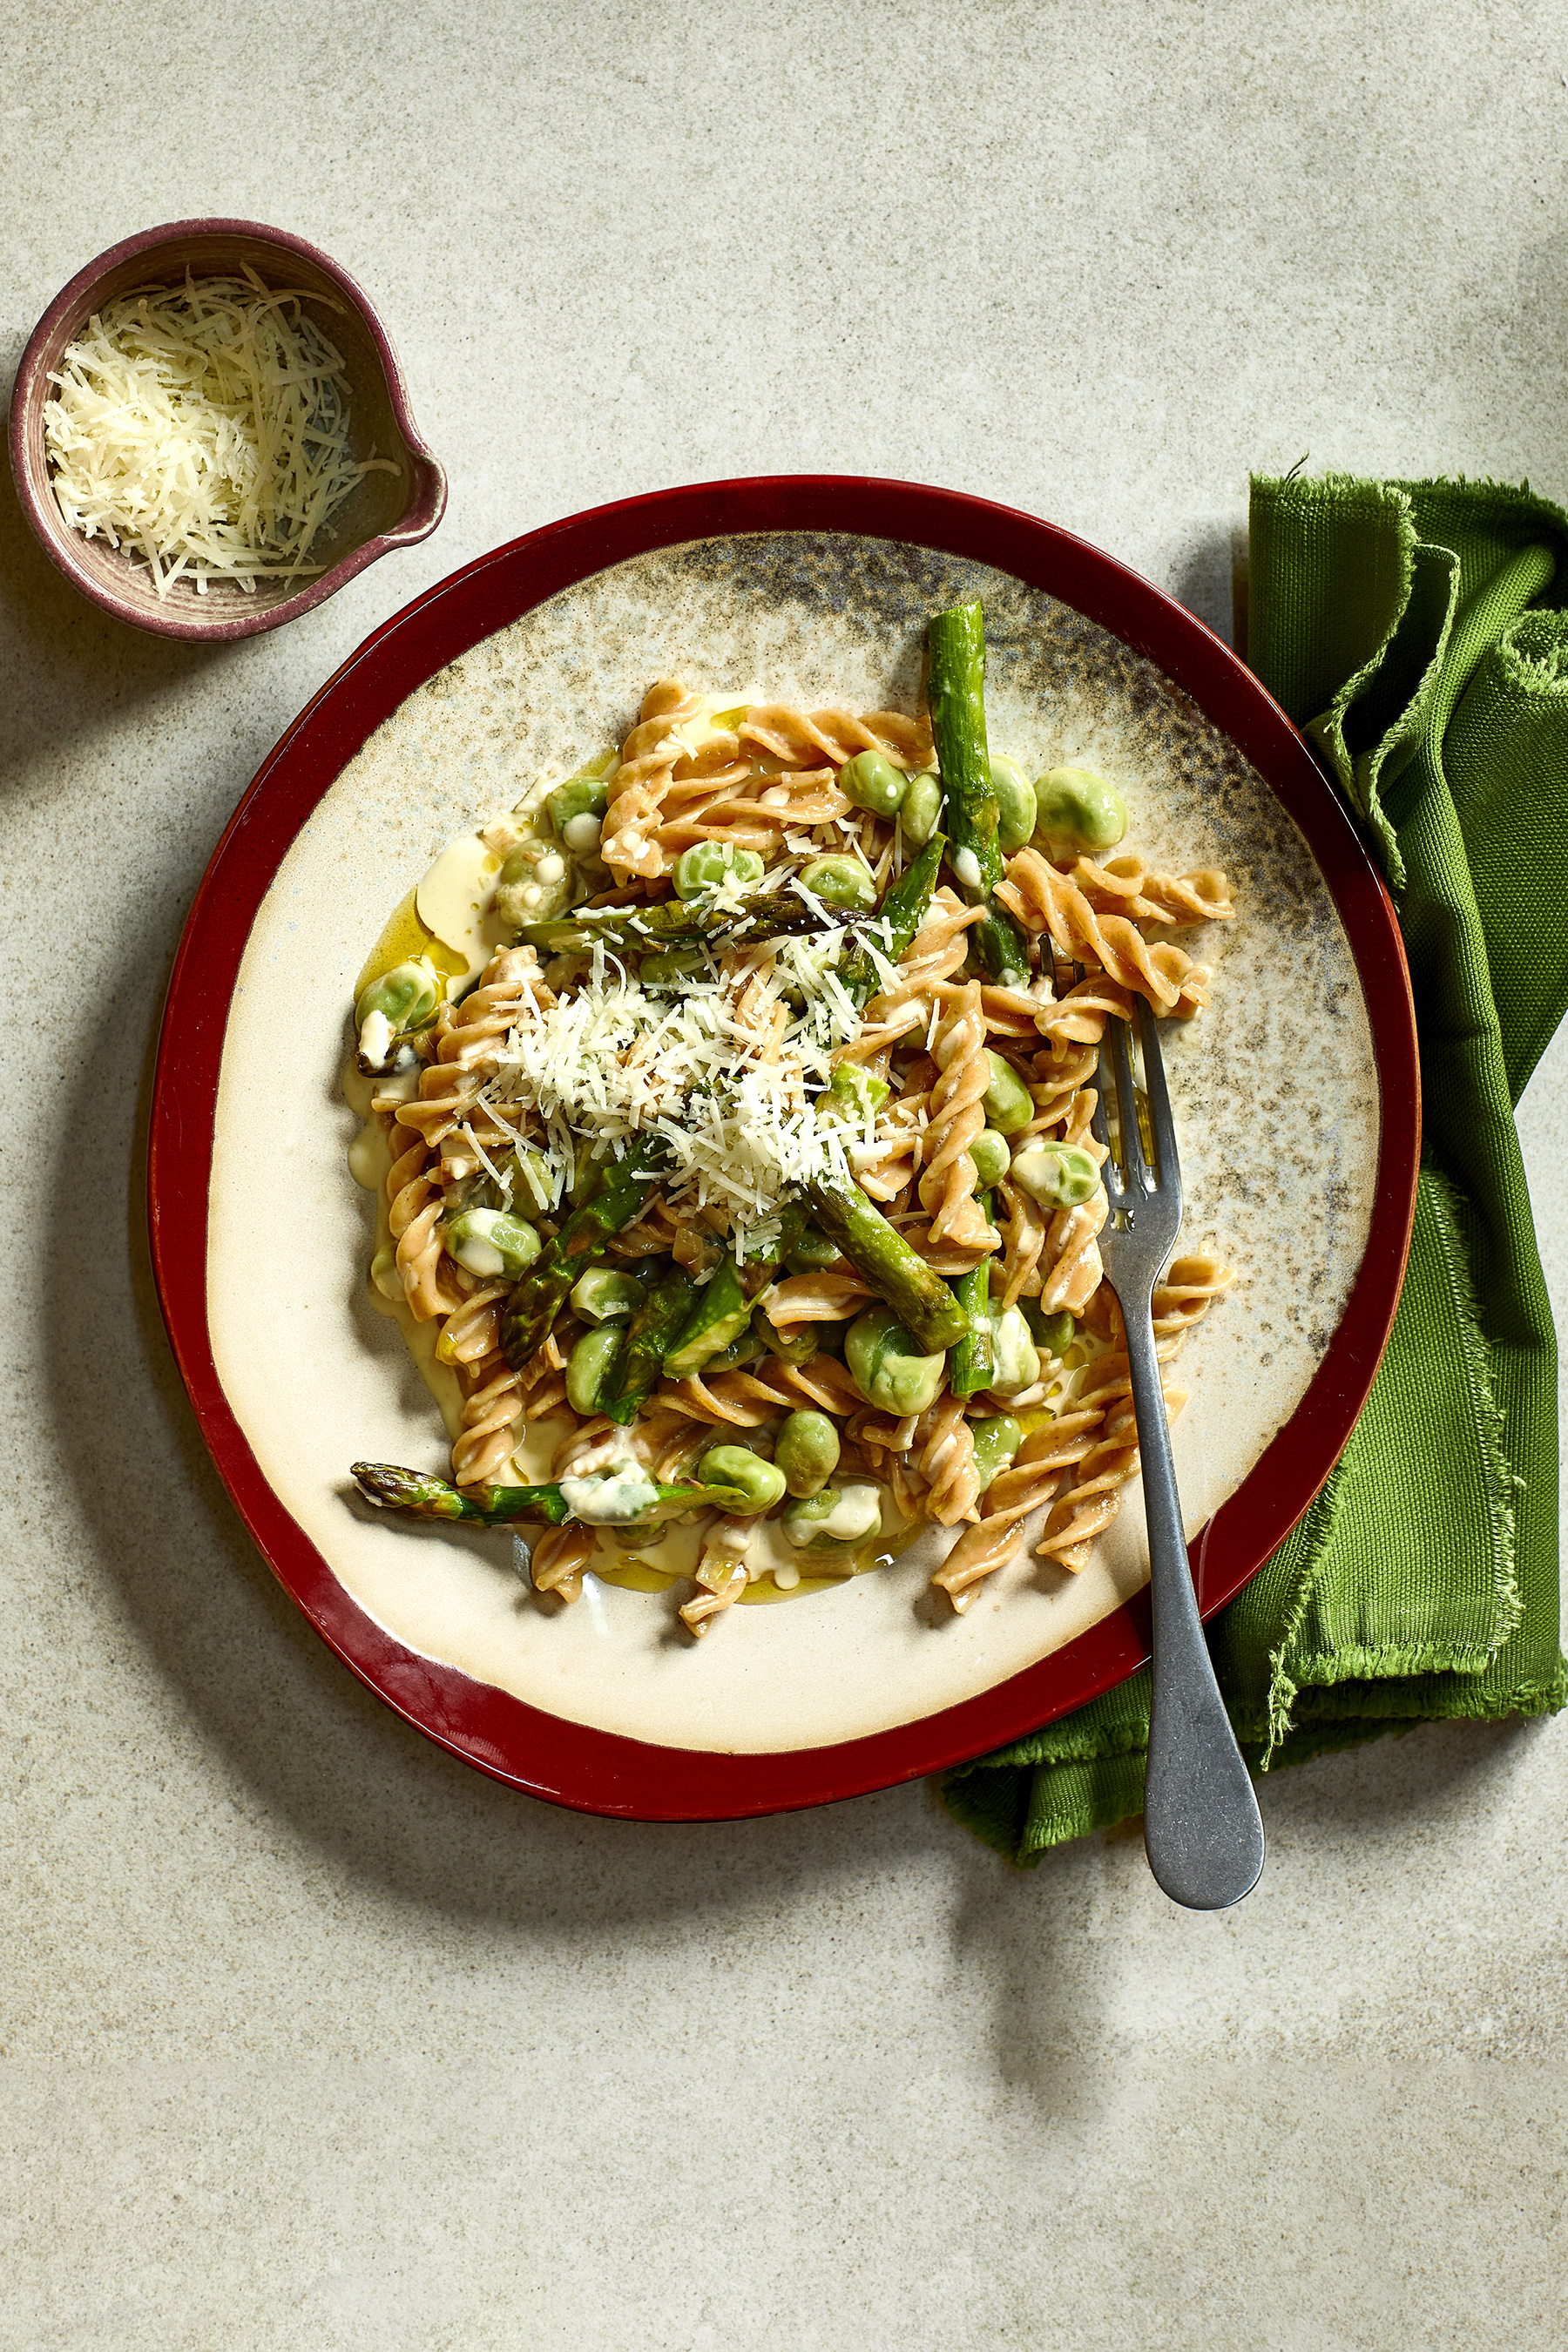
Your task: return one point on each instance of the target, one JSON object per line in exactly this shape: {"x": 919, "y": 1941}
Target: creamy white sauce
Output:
{"x": 453, "y": 899}
{"x": 966, "y": 866}
{"x": 582, "y": 833}
{"x": 616, "y": 1499}
{"x": 376, "y": 1039}
{"x": 369, "y": 1158}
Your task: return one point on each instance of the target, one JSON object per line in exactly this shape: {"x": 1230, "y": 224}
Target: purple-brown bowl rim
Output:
{"x": 425, "y": 511}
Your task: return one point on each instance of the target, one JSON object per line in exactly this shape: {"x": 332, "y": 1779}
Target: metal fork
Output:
{"x": 1201, "y": 1830}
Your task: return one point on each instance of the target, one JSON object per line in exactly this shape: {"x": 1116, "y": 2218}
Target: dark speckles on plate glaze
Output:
{"x": 1273, "y": 1083}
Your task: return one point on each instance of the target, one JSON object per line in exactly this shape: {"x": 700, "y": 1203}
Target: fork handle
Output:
{"x": 1202, "y": 1830}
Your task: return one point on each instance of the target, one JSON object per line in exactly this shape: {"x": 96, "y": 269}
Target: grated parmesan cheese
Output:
{"x": 613, "y": 1061}
{"x": 204, "y": 428}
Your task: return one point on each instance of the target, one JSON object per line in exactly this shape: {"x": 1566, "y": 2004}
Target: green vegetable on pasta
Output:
{"x": 1076, "y": 810}
{"x": 921, "y": 811}
{"x": 1057, "y": 1175}
{"x": 871, "y": 782}
{"x": 955, "y": 689}
{"x": 807, "y": 1452}
{"x": 543, "y": 1289}
{"x": 733, "y": 1067}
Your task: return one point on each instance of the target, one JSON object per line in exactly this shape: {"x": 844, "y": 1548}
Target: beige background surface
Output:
{"x": 311, "y": 2037}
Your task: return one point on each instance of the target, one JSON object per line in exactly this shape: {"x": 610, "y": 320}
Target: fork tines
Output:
{"x": 1127, "y": 1174}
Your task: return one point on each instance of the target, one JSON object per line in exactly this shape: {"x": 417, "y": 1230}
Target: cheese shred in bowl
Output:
{"x": 204, "y": 428}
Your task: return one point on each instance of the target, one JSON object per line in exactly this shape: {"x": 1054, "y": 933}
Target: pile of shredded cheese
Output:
{"x": 203, "y": 428}
{"x": 613, "y": 1061}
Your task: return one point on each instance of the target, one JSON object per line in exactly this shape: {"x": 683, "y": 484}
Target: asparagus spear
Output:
{"x": 724, "y": 1310}
{"x": 392, "y": 1489}
{"x": 920, "y": 1299}
{"x": 974, "y": 1364}
{"x": 894, "y": 924}
{"x": 540, "y": 1296}
{"x": 955, "y": 689}
{"x": 673, "y": 923}
{"x": 652, "y": 1333}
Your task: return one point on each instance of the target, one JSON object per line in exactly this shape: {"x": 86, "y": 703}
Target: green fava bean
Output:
{"x": 833, "y": 1518}
{"x": 887, "y": 1366}
{"x": 1057, "y": 1175}
{"x": 534, "y": 885}
{"x": 996, "y": 1442}
{"x": 991, "y": 1154}
{"x": 1009, "y": 1105}
{"x": 1015, "y": 803}
{"x": 922, "y": 808}
{"x": 602, "y": 1296}
{"x": 841, "y": 882}
{"x": 1017, "y": 1358}
{"x": 405, "y": 997}
{"x": 704, "y": 865}
{"x": 757, "y": 1484}
{"x": 489, "y": 1242}
{"x": 807, "y": 1452}
{"x": 590, "y": 1367}
{"x": 871, "y": 782}
{"x": 853, "y": 1093}
{"x": 581, "y": 796}
{"x": 1077, "y": 810}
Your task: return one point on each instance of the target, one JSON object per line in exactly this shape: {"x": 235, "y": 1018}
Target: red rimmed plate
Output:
{"x": 1296, "y": 1092}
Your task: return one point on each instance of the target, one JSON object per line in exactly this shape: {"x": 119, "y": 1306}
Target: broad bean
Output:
{"x": 603, "y": 1295}
{"x": 833, "y": 1518}
{"x": 591, "y": 1366}
{"x": 490, "y": 1242}
{"x": 402, "y": 999}
{"x": 841, "y": 882}
{"x": 704, "y": 865}
{"x": 887, "y": 1366}
{"x": 534, "y": 886}
{"x": 990, "y": 1155}
{"x": 1009, "y": 1105}
{"x": 854, "y": 1093}
{"x": 581, "y": 796}
{"x": 1077, "y": 810}
{"x": 922, "y": 808}
{"x": 807, "y": 1452}
{"x": 871, "y": 782}
{"x": 996, "y": 1441}
{"x": 532, "y": 1180}
{"x": 759, "y": 1485}
{"x": 1057, "y": 1175}
{"x": 1015, "y": 803}
{"x": 1017, "y": 1358}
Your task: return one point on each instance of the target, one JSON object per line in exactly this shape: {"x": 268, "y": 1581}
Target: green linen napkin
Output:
{"x": 1418, "y": 631}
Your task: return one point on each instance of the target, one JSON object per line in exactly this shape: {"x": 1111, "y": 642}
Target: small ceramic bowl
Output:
{"x": 385, "y": 510}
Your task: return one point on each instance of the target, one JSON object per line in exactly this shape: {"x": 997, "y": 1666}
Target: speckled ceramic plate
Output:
{"x": 1295, "y": 1094}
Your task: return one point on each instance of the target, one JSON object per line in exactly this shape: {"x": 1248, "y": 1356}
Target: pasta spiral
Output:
{"x": 1044, "y": 899}
{"x": 957, "y": 1115}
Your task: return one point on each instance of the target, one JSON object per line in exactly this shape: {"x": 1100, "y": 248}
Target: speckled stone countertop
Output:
{"x": 312, "y": 2038}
